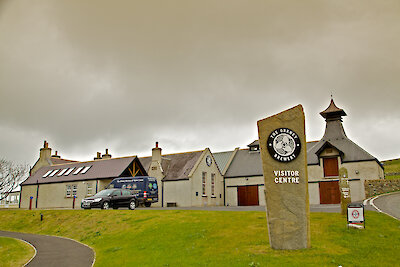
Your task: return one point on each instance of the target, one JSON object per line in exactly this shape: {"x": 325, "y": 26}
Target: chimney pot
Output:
{"x": 156, "y": 144}
{"x": 106, "y": 150}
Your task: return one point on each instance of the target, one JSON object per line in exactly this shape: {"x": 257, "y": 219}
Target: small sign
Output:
{"x": 355, "y": 214}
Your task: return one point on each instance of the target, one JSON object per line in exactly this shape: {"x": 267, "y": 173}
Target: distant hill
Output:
{"x": 392, "y": 168}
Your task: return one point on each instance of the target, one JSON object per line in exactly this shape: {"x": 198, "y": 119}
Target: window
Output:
{"x": 78, "y": 170}
{"x": 126, "y": 193}
{"x": 69, "y": 171}
{"x": 54, "y": 172}
{"x": 71, "y": 190}
{"x": 213, "y": 184}
{"x": 89, "y": 189}
{"x": 68, "y": 191}
{"x": 204, "y": 180}
{"x": 62, "y": 172}
{"x": 47, "y": 173}
{"x": 85, "y": 169}
{"x": 74, "y": 190}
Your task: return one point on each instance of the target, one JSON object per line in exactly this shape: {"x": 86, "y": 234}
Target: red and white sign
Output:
{"x": 355, "y": 214}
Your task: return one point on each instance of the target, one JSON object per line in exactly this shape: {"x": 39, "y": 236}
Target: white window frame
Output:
{"x": 68, "y": 190}
{"x": 204, "y": 184}
{"x": 78, "y": 170}
{"x": 89, "y": 189}
{"x": 62, "y": 172}
{"x": 53, "y": 173}
{"x": 85, "y": 169}
{"x": 69, "y": 171}
{"x": 213, "y": 184}
{"x": 74, "y": 190}
{"x": 47, "y": 173}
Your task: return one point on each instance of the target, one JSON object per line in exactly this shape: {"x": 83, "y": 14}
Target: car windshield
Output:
{"x": 106, "y": 192}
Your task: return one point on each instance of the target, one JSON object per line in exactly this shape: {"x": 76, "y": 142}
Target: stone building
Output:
{"x": 55, "y": 182}
{"x": 190, "y": 179}
{"x": 201, "y": 178}
{"x": 333, "y": 157}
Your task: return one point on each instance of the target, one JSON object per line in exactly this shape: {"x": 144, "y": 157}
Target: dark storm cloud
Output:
{"x": 88, "y": 75}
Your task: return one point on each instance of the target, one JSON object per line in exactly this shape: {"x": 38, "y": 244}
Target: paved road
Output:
{"x": 389, "y": 204}
{"x": 55, "y": 251}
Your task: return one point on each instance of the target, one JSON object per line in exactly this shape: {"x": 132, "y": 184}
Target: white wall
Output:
{"x": 177, "y": 192}
{"x": 313, "y": 193}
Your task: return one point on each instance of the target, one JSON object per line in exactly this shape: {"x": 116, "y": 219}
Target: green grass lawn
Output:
{"x": 211, "y": 238}
{"x": 392, "y": 167}
{"x": 14, "y": 252}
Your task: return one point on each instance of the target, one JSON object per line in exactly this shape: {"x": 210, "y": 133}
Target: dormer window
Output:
{"x": 254, "y": 148}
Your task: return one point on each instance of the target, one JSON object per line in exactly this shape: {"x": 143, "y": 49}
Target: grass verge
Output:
{"x": 210, "y": 238}
{"x": 14, "y": 252}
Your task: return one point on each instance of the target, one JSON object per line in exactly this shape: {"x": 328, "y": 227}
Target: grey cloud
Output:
{"x": 192, "y": 74}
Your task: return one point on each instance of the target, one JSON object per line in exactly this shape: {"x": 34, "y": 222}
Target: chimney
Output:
{"x": 56, "y": 155}
{"x": 106, "y": 156}
{"x": 45, "y": 152}
{"x": 156, "y": 153}
{"x": 98, "y": 156}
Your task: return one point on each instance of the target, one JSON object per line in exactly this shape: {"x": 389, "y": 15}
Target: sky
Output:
{"x": 91, "y": 75}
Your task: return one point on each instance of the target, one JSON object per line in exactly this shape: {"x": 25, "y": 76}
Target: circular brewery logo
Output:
{"x": 284, "y": 144}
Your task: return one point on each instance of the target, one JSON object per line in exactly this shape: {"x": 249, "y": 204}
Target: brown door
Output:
{"x": 248, "y": 195}
{"x": 329, "y": 192}
{"x": 331, "y": 167}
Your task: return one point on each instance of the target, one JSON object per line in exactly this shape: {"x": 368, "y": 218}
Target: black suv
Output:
{"x": 111, "y": 198}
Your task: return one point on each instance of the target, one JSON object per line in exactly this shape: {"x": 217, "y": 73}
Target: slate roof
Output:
{"x": 245, "y": 164}
{"x": 100, "y": 169}
{"x": 175, "y": 166}
{"x": 222, "y": 158}
{"x": 336, "y": 137}
{"x": 57, "y": 161}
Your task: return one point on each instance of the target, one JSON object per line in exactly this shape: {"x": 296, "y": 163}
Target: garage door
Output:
{"x": 248, "y": 195}
{"x": 329, "y": 192}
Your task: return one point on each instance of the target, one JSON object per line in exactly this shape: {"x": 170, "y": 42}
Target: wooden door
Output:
{"x": 331, "y": 167}
{"x": 248, "y": 195}
{"x": 329, "y": 192}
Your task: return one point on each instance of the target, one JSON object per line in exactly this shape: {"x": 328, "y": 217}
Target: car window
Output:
{"x": 126, "y": 193}
{"x": 117, "y": 193}
{"x": 106, "y": 192}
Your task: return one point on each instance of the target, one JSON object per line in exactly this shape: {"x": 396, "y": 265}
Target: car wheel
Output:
{"x": 105, "y": 205}
{"x": 147, "y": 204}
{"x": 132, "y": 204}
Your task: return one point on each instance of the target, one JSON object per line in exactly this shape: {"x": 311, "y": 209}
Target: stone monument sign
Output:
{"x": 283, "y": 153}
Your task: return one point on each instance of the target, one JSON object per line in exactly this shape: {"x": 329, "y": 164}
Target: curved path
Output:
{"x": 389, "y": 204}
{"x": 55, "y": 251}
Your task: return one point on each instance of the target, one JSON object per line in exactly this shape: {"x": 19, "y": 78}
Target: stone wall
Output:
{"x": 377, "y": 187}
